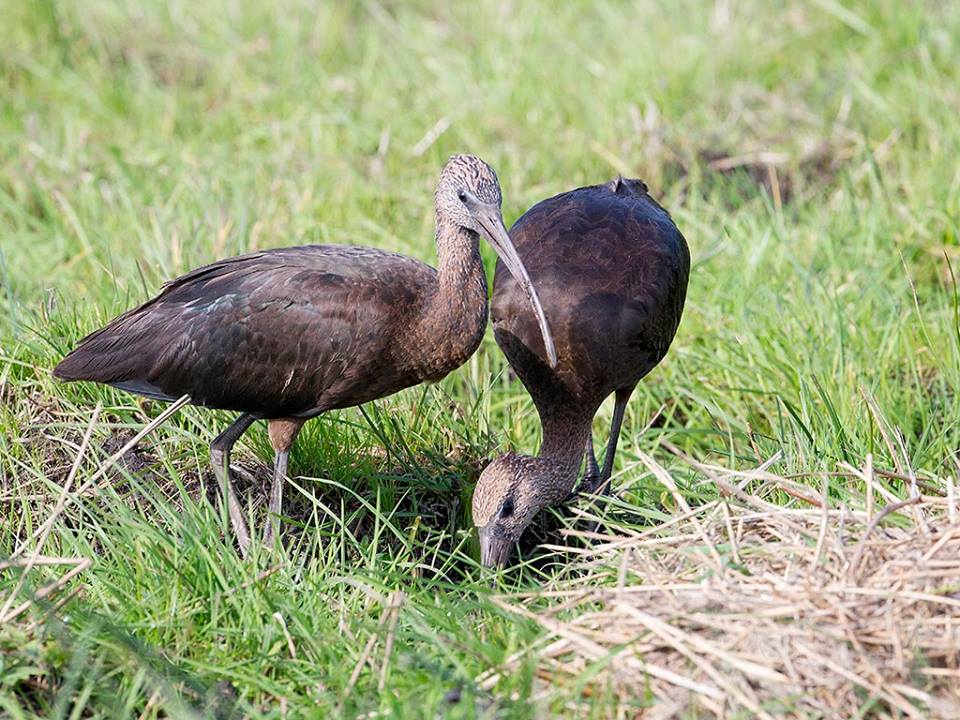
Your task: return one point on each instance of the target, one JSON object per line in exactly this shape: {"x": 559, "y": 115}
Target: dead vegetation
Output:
{"x": 742, "y": 606}
{"x": 818, "y": 608}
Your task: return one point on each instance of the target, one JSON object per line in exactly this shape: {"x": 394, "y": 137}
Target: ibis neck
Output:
{"x": 564, "y": 443}
{"x": 458, "y": 260}
{"x": 455, "y": 316}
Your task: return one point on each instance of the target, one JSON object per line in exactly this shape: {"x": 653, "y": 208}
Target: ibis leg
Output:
{"x": 220, "y": 459}
{"x": 276, "y": 497}
{"x": 591, "y": 474}
{"x": 620, "y": 405}
{"x": 283, "y": 433}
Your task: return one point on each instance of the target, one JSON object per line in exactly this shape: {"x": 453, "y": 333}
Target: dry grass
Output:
{"x": 742, "y": 606}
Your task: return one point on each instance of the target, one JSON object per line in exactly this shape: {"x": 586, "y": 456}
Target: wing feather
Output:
{"x": 288, "y": 331}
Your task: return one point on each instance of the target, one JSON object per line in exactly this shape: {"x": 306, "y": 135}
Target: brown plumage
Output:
{"x": 287, "y": 334}
{"x": 611, "y": 268}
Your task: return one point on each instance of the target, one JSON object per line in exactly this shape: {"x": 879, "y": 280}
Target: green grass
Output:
{"x": 138, "y": 140}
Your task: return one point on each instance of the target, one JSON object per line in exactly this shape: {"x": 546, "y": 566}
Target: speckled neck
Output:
{"x": 458, "y": 259}
{"x": 561, "y": 452}
{"x": 455, "y": 316}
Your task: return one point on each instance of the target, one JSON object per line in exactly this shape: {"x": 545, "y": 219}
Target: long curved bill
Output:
{"x": 492, "y": 224}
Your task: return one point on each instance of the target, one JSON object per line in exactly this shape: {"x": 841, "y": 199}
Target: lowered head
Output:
{"x": 511, "y": 490}
{"x": 468, "y": 196}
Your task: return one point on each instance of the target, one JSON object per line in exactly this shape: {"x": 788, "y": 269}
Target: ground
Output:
{"x": 807, "y": 150}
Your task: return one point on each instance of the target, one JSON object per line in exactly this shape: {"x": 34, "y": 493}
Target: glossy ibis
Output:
{"x": 287, "y": 334}
{"x": 611, "y": 269}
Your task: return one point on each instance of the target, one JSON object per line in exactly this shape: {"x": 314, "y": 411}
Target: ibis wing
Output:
{"x": 285, "y": 332}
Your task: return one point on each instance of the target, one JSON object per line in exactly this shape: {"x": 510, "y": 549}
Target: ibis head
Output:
{"x": 468, "y": 195}
{"x": 511, "y": 491}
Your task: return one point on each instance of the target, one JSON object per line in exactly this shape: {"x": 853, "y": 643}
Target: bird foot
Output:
{"x": 588, "y": 485}
{"x": 593, "y": 485}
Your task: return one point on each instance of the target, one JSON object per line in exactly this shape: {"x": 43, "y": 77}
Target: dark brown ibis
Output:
{"x": 287, "y": 334}
{"x": 611, "y": 268}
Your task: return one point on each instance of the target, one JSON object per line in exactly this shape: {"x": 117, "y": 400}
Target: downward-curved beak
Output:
{"x": 491, "y": 222}
{"x": 494, "y": 550}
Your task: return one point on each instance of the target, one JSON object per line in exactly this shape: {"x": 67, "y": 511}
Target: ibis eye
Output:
{"x": 463, "y": 197}
{"x": 507, "y": 509}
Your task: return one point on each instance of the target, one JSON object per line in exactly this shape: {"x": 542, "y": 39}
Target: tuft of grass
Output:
{"x": 806, "y": 150}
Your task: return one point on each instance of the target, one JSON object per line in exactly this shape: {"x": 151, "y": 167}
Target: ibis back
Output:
{"x": 611, "y": 270}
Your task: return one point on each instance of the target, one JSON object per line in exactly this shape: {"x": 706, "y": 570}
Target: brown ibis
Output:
{"x": 284, "y": 335}
{"x": 611, "y": 268}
